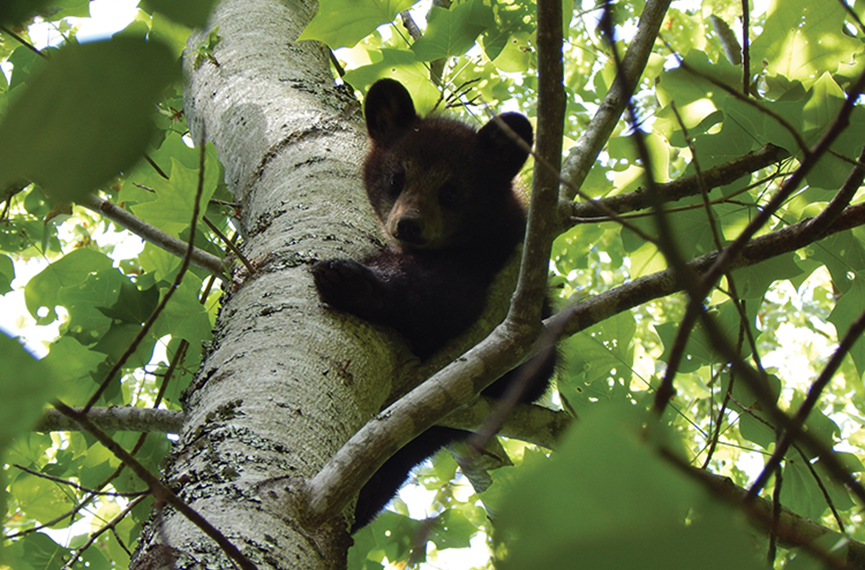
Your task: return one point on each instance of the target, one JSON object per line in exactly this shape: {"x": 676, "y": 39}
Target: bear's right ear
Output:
{"x": 388, "y": 108}
{"x": 500, "y": 148}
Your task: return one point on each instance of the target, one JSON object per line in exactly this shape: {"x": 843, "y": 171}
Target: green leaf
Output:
{"x": 699, "y": 349}
{"x": 453, "y": 32}
{"x": 118, "y": 339}
{"x": 133, "y": 305}
{"x": 819, "y": 113}
{"x": 744, "y": 395}
{"x": 605, "y": 482}
{"x": 403, "y": 66}
{"x": 756, "y": 431}
{"x": 86, "y": 301}
{"x": 35, "y": 551}
{"x": 595, "y": 357}
{"x": 184, "y": 316}
{"x": 844, "y": 257}
{"x": 24, "y": 393}
{"x": 174, "y": 148}
{"x": 801, "y": 492}
{"x": 516, "y": 54}
{"x": 158, "y": 263}
{"x": 86, "y": 116}
{"x": 7, "y": 274}
{"x": 26, "y": 63}
{"x": 625, "y": 147}
{"x": 15, "y": 12}
{"x": 73, "y": 269}
{"x": 753, "y": 281}
{"x": 175, "y": 197}
{"x": 343, "y": 23}
{"x": 73, "y": 364}
{"x": 516, "y": 17}
{"x": 454, "y": 532}
{"x": 794, "y": 43}
{"x": 846, "y": 309}
{"x": 65, "y": 8}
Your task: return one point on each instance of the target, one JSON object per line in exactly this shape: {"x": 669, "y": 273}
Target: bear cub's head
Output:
{"x": 437, "y": 183}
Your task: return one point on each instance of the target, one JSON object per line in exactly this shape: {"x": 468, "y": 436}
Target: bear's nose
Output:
{"x": 409, "y": 229}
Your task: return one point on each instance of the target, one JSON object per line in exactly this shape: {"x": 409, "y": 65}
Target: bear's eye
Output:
{"x": 450, "y": 196}
{"x": 396, "y": 182}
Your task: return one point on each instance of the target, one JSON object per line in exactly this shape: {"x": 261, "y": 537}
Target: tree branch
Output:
{"x": 541, "y": 229}
{"x": 116, "y": 418}
{"x": 159, "y": 490}
{"x": 720, "y": 175}
{"x": 530, "y": 423}
{"x": 792, "y": 530}
{"x": 629, "y": 295}
{"x": 526, "y": 422}
{"x": 154, "y": 235}
{"x": 584, "y": 153}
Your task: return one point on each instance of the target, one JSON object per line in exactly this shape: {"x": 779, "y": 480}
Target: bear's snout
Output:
{"x": 409, "y": 229}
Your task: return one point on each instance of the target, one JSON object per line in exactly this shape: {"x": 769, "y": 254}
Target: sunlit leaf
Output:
{"x": 453, "y": 31}
{"x": 343, "y": 23}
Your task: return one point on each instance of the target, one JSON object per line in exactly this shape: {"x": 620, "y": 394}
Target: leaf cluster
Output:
{"x": 782, "y": 316}
{"x": 78, "y": 118}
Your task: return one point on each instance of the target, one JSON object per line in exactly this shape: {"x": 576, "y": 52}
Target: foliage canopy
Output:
{"x": 77, "y": 119}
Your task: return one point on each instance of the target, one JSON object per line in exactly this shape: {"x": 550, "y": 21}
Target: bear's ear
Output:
{"x": 388, "y": 108}
{"x": 500, "y": 148}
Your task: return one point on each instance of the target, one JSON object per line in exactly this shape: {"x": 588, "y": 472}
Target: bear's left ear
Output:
{"x": 389, "y": 109}
{"x": 499, "y": 146}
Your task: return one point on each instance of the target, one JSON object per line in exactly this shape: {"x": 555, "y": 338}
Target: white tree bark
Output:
{"x": 284, "y": 385}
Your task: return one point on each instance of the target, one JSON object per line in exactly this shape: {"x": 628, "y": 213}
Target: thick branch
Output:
{"x": 116, "y": 418}
{"x": 454, "y": 386}
{"x": 154, "y": 235}
{"x": 526, "y": 422}
{"x": 534, "y": 424}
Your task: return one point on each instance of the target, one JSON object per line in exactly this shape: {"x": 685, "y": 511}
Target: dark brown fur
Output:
{"x": 445, "y": 197}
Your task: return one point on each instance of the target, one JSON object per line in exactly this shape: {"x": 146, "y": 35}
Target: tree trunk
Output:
{"x": 283, "y": 385}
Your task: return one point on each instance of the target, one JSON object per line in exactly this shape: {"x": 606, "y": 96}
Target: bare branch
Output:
{"x": 117, "y": 418}
{"x": 154, "y": 235}
{"x": 541, "y": 228}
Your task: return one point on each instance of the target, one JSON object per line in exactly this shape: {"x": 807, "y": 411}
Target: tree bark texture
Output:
{"x": 283, "y": 384}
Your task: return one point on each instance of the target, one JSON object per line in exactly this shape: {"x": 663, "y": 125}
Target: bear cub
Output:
{"x": 445, "y": 197}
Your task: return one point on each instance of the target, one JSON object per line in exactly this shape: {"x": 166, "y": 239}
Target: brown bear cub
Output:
{"x": 444, "y": 194}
